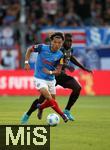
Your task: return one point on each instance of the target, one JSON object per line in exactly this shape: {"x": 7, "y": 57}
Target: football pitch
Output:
{"x": 89, "y": 131}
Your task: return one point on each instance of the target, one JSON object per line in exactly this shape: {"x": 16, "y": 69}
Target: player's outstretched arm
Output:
{"x": 27, "y": 56}
{"x": 57, "y": 71}
{"x": 77, "y": 63}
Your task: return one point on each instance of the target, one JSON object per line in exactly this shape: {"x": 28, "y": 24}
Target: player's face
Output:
{"x": 67, "y": 43}
{"x": 56, "y": 44}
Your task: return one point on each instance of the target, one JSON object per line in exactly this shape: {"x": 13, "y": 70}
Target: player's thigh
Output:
{"x": 70, "y": 82}
{"x": 53, "y": 96}
{"x": 51, "y": 87}
{"x": 42, "y": 86}
{"x": 45, "y": 93}
{"x": 41, "y": 99}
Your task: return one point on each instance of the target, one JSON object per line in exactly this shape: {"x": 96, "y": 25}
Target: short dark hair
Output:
{"x": 57, "y": 35}
{"x": 68, "y": 35}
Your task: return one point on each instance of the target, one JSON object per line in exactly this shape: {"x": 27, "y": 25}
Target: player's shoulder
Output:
{"x": 62, "y": 49}
{"x": 45, "y": 46}
{"x": 60, "y": 52}
{"x": 41, "y": 47}
{"x": 38, "y": 45}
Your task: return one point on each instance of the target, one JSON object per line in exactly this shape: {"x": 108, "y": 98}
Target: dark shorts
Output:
{"x": 66, "y": 81}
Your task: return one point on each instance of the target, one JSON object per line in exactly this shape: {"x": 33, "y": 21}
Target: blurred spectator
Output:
{"x": 6, "y": 37}
{"x": 8, "y": 61}
{"x": 107, "y": 16}
{"x": 96, "y": 14}
{"x": 72, "y": 18}
{"x": 12, "y": 14}
{"x": 50, "y": 8}
{"x": 82, "y": 8}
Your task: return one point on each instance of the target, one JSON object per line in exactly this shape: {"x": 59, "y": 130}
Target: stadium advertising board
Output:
{"x": 20, "y": 82}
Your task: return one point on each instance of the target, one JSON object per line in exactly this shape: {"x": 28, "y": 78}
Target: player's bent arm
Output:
{"x": 28, "y": 53}
{"x": 76, "y": 62}
{"x": 27, "y": 56}
{"x": 57, "y": 71}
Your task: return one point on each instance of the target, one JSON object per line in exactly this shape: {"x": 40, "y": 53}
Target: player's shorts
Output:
{"x": 66, "y": 81}
{"x": 49, "y": 85}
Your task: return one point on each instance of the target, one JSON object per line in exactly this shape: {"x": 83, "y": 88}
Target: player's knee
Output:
{"x": 41, "y": 99}
{"x": 48, "y": 97}
{"x": 77, "y": 89}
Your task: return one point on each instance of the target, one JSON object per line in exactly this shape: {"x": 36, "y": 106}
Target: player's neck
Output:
{"x": 52, "y": 49}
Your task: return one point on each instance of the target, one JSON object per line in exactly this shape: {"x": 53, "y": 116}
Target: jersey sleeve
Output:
{"x": 37, "y": 48}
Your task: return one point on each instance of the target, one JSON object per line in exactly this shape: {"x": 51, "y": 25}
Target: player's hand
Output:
{"x": 45, "y": 70}
{"x": 27, "y": 67}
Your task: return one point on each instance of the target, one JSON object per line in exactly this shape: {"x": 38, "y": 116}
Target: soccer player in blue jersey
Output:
{"x": 48, "y": 64}
{"x": 65, "y": 80}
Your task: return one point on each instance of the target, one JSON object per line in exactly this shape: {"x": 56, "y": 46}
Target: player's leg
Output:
{"x": 33, "y": 107}
{"x": 40, "y": 111}
{"x": 76, "y": 88}
{"x": 51, "y": 102}
{"x": 70, "y": 83}
{"x": 38, "y": 84}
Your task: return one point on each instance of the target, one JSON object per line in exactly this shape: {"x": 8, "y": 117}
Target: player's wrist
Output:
{"x": 50, "y": 72}
{"x": 26, "y": 62}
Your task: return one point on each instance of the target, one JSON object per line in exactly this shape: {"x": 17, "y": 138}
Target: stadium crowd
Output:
{"x": 53, "y": 12}
{"x": 48, "y": 13}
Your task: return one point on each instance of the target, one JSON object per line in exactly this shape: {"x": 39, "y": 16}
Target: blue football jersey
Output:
{"x": 46, "y": 59}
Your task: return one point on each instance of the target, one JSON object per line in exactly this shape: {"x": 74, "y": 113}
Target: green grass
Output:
{"x": 90, "y": 130}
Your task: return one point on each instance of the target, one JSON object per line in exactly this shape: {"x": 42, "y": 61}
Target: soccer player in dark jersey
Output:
{"x": 48, "y": 64}
{"x": 67, "y": 81}
{"x": 64, "y": 80}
